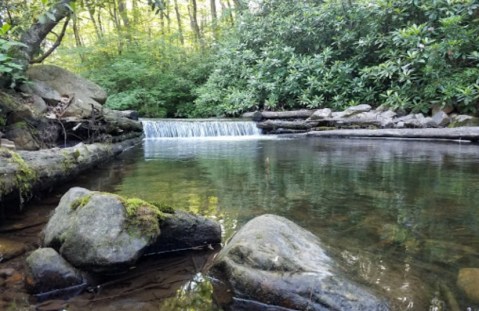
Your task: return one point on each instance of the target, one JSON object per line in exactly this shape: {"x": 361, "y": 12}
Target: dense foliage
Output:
{"x": 407, "y": 54}
{"x": 153, "y": 77}
{"x": 223, "y": 57}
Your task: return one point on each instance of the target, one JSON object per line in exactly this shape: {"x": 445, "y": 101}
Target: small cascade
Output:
{"x": 198, "y": 128}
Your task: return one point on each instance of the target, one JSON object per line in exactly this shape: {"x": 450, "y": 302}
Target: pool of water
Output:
{"x": 401, "y": 217}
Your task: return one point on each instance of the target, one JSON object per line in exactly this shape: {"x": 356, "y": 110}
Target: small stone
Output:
{"x": 6, "y": 272}
{"x": 321, "y": 114}
{"x": 468, "y": 281}
{"x": 10, "y": 249}
{"x": 15, "y": 278}
{"x": 357, "y": 109}
{"x": 47, "y": 271}
{"x": 441, "y": 119}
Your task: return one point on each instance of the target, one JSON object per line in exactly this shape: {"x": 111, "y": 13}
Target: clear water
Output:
{"x": 401, "y": 217}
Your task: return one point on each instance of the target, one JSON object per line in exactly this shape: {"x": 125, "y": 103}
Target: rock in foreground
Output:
{"x": 103, "y": 232}
{"x": 48, "y": 271}
{"x": 273, "y": 264}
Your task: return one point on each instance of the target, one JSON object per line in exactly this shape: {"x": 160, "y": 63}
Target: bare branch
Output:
{"x": 55, "y": 45}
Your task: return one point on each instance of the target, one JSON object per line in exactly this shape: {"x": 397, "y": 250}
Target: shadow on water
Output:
{"x": 401, "y": 217}
{"x": 147, "y": 286}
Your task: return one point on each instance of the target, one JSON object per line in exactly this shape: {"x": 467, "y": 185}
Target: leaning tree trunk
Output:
{"x": 34, "y": 36}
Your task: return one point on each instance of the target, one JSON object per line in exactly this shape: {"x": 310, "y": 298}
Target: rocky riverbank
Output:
{"x": 53, "y": 128}
{"x": 364, "y": 121}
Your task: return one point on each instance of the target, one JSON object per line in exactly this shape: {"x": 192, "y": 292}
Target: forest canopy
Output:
{"x": 201, "y": 58}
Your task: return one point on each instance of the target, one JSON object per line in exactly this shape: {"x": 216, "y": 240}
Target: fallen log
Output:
{"x": 270, "y": 125}
{"x": 295, "y": 114}
{"x": 24, "y": 173}
{"x": 458, "y": 133}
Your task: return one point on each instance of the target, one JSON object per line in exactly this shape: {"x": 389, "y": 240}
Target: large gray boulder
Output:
{"x": 273, "y": 264}
{"x": 52, "y": 83}
{"x": 103, "y": 232}
{"x": 92, "y": 231}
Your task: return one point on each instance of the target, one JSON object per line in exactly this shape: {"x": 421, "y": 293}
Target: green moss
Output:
{"x": 163, "y": 207}
{"x": 81, "y": 201}
{"x": 69, "y": 160}
{"x": 25, "y": 177}
{"x": 144, "y": 217}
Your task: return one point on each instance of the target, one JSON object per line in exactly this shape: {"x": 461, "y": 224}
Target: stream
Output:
{"x": 399, "y": 216}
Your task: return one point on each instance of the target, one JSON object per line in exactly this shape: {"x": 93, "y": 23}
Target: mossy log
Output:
{"x": 24, "y": 173}
{"x": 458, "y": 133}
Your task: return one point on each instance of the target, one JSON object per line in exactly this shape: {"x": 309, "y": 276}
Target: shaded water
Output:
{"x": 400, "y": 216}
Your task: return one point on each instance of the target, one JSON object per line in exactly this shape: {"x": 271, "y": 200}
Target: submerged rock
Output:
{"x": 48, "y": 271}
{"x": 468, "y": 281}
{"x": 273, "y": 264}
{"x": 10, "y": 248}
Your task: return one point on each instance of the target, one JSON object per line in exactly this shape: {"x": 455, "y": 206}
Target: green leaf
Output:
{"x": 50, "y": 16}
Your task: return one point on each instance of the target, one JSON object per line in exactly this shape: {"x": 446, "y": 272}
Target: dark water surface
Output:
{"x": 401, "y": 216}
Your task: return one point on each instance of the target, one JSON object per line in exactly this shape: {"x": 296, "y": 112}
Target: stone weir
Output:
{"x": 364, "y": 121}
{"x": 198, "y": 128}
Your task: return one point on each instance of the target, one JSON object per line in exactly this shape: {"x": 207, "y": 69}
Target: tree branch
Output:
{"x": 34, "y": 36}
{"x": 54, "y": 46}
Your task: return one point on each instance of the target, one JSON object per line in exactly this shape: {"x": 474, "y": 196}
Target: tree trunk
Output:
{"x": 214, "y": 18}
{"x": 228, "y": 9}
{"x": 167, "y": 15}
{"x": 193, "y": 12}
{"x": 180, "y": 26}
{"x": 91, "y": 12}
{"x": 123, "y": 13}
{"x": 78, "y": 39}
{"x": 36, "y": 34}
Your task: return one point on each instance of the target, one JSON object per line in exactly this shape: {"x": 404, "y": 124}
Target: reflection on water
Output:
{"x": 401, "y": 216}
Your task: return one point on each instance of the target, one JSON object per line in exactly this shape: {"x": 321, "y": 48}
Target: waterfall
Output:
{"x": 198, "y": 128}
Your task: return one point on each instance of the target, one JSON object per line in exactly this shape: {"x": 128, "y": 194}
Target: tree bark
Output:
{"x": 36, "y": 34}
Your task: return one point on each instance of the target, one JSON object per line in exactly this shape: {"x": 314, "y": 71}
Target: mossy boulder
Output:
{"x": 99, "y": 231}
{"x": 104, "y": 232}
